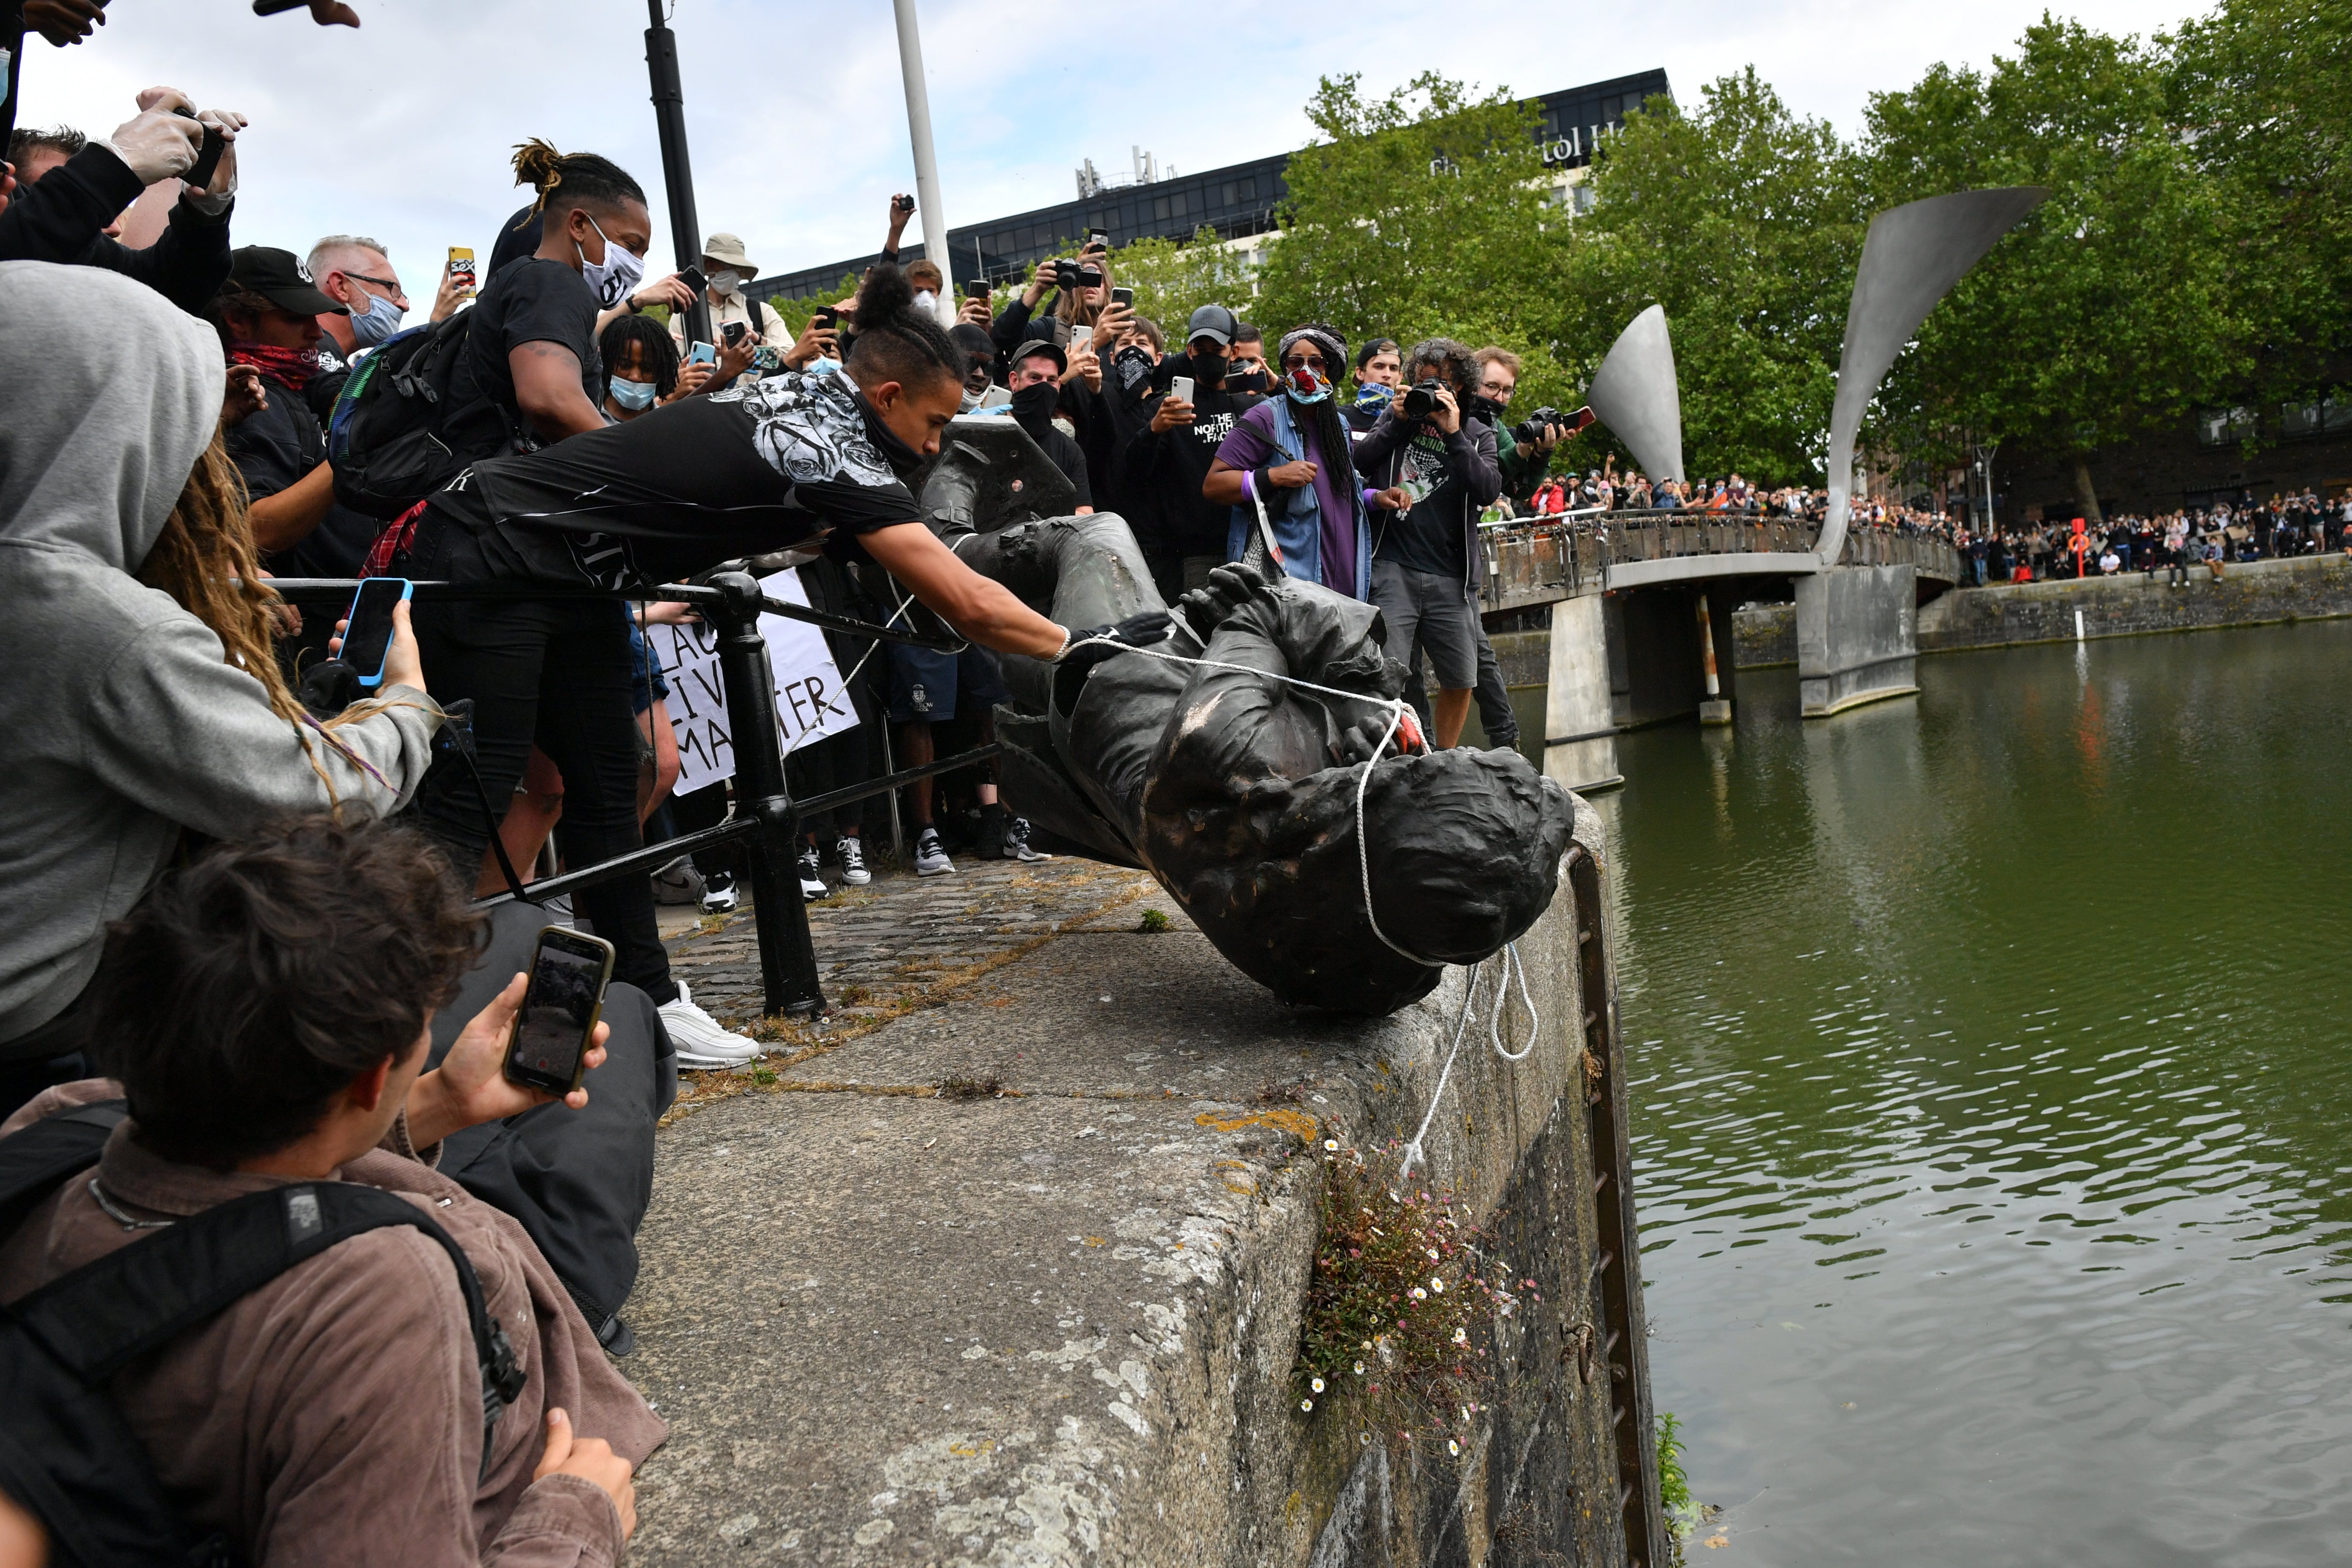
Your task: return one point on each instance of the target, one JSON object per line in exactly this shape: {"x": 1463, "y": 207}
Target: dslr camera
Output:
{"x": 1068, "y": 275}
{"x": 1420, "y": 400}
{"x": 1529, "y": 431}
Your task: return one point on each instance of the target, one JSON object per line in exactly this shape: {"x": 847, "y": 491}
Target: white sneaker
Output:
{"x": 1017, "y": 842}
{"x": 930, "y": 859}
{"x": 701, "y": 1040}
{"x": 852, "y": 855}
{"x": 813, "y": 886}
{"x": 718, "y": 895}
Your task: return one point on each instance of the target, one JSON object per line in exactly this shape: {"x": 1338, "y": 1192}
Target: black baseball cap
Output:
{"x": 1212, "y": 322}
{"x": 1035, "y": 347}
{"x": 279, "y": 276}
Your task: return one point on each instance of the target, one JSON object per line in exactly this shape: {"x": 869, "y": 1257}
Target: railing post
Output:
{"x": 788, "y": 973}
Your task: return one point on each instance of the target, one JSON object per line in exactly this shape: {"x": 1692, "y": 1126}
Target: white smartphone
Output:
{"x": 1180, "y": 388}
{"x": 1080, "y": 337}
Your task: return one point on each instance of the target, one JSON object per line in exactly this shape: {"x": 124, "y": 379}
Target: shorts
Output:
{"x": 1437, "y": 612}
{"x": 924, "y": 684}
{"x": 646, "y": 684}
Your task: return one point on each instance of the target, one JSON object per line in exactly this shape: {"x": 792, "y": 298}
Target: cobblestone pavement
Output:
{"x": 902, "y": 942}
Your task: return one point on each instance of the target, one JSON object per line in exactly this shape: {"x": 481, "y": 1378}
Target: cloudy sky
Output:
{"x": 797, "y": 119}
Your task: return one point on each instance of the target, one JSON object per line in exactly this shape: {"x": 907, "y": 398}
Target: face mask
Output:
{"x": 1373, "y": 395}
{"x": 1307, "y": 385}
{"x": 822, "y": 366}
{"x": 726, "y": 282}
{"x": 633, "y": 395}
{"x": 1208, "y": 369}
{"x": 616, "y": 277}
{"x": 1486, "y": 408}
{"x": 925, "y": 301}
{"x": 1033, "y": 407}
{"x": 971, "y": 399}
{"x": 377, "y": 322}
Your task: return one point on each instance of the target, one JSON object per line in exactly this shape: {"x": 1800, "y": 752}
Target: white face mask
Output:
{"x": 616, "y": 277}
{"x": 926, "y": 300}
{"x": 728, "y": 281}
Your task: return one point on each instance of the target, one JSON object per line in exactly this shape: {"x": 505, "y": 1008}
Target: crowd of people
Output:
{"x": 2206, "y": 538}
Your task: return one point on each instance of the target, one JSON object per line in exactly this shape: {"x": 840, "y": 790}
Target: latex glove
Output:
{"x": 158, "y": 145}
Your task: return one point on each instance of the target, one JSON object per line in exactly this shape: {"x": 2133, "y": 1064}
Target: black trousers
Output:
{"x": 578, "y": 1181}
{"x": 555, "y": 672}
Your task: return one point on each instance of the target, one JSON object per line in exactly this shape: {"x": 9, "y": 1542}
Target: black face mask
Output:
{"x": 1208, "y": 369}
{"x": 903, "y": 460}
{"x": 1254, "y": 382}
{"x": 1033, "y": 408}
{"x": 1484, "y": 408}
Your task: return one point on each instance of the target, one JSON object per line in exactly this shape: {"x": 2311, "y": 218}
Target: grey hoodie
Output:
{"x": 120, "y": 721}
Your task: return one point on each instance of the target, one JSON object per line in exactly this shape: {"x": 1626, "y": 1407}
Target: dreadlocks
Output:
{"x": 584, "y": 177}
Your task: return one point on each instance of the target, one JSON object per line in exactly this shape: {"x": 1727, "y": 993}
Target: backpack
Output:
{"x": 384, "y": 436}
{"x": 66, "y": 1453}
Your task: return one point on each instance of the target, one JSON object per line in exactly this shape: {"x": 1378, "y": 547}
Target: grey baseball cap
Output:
{"x": 1212, "y": 322}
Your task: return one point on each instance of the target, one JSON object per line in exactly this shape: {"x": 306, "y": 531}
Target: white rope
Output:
{"x": 1413, "y": 1152}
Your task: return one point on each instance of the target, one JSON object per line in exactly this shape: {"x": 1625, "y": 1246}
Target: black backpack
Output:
{"x": 66, "y": 1453}
{"x": 386, "y": 436}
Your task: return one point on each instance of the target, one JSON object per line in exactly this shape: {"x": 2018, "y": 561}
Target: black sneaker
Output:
{"x": 813, "y": 886}
{"x": 991, "y": 837}
{"x": 718, "y": 896}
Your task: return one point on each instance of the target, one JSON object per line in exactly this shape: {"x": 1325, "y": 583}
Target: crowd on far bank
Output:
{"x": 2210, "y": 537}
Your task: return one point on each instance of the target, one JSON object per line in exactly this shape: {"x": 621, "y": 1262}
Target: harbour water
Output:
{"x": 1993, "y": 1106}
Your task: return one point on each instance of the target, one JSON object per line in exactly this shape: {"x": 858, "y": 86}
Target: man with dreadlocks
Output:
{"x": 1287, "y": 460}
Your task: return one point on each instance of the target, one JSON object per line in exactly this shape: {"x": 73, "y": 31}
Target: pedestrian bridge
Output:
{"x": 1540, "y": 561}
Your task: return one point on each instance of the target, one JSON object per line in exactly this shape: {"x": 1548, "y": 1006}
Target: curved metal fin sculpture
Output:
{"x": 1634, "y": 393}
{"x": 1914, "y": 255}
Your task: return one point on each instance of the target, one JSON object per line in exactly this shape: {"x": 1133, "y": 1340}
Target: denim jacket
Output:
{"x": 1296, "y": 517}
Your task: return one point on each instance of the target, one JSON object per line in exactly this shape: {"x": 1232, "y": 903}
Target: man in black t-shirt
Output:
{"x": 530, "y": 304}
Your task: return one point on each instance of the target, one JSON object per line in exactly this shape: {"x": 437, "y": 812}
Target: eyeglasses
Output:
{"x": 391, "y": 283}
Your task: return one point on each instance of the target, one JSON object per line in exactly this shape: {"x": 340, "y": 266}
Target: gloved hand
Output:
{"x": 1136, "y": 631}
{"x": 158, "y": 145}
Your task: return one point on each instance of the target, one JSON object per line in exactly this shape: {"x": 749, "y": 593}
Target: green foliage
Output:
{"x": 1376, "y": 244}
{"x": 1152, "y": 921}
{"x": 1396, "y": 1302}
{"x": 1172, "y": 280}
{"x": 1674, "y": 1485}
{"x": 796, "y": 312}
{"x": 2109, "y": 311}
{"x": 1744, "y": 222}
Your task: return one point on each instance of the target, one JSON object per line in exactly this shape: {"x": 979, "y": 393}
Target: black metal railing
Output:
{"x": 1534, "y": 561}
{"x": 766, "y": 818}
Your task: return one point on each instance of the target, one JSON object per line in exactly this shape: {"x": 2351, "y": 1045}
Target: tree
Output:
{"x": 1744, "y": 221}
{"x": 1421, "y": 213}
{"x": 2111, "y": 310}
{"x": 1172, "y": 279}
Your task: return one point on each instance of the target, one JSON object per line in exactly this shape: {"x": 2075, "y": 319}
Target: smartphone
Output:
{"x": 367, "y": 636}
{"x": 1080, "y": 337}
{"x": 733, "y": 332}
{"x": 1123, "y": 296}
{"x": 208, "y": 155}
{"x": 549, "y": 1047}
{"x": 694, "y": 279}
{"x": 1098, "y": 238}
{"x": 702, "y": 353}
{"x": 1580, "y": 419}
{"x": 1180, "y": 388}
{"x": 461, "y": 265}
{"x": 824, "y": 316}
{"x": 976, "y": 289}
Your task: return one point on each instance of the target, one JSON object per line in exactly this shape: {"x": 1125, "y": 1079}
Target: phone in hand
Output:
{"x": 702, "y": 353}
{"x": 1123, "y": 296}
{"x": 693, "y": 278}
{"x": 1080, "y": 337}
{"x": 461, "y": 266}
{"x": 208, "y": 156}
{"x": 1180, "y": 388}
{"x": 1097, "y": 239}
{"x": 733, "y": 332}
{"x": 824, "y": 316}
{"x": 549, "y": 1047}
{"x": 976, "y": 289}
{"x": 367, "y": 632}
{"x": 1578, "y": 420}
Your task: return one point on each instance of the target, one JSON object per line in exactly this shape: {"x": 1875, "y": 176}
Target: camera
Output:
{"x": 1420, "y": 400}
{"x": 1530, "y": 431}
{"x": 1070, "y": 275}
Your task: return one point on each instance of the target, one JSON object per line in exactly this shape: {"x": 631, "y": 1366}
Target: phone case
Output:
{"x": 587, "y": 1030}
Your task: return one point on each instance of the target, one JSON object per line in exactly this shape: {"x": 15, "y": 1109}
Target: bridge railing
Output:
{"x": 1534, "y": 561}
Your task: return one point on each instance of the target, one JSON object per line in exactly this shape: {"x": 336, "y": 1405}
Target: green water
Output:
{"x": 1993, "y": 1108}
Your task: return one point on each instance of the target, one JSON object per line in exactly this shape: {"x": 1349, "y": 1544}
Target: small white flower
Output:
{"x": 1331, "y": 1144}
{"x": 1359, "y": 1369}
{"x": 1438, "y": 1286}
{"x": 1451, "y": 1447}
{"x": 1306, "y": 1405}
{"x": 1461, "y": 1336}
{"x": 1433, "y": 1255}
{"x": 1317, "y": 1386}
{"x": 1419, "y": 1294}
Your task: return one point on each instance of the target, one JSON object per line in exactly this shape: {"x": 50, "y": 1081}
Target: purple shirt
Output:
{"x": 1251, "y": 446}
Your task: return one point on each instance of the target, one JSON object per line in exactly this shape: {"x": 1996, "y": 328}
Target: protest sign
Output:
{"x": 812, "y": 699}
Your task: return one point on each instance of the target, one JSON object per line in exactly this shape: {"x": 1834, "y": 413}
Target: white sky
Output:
{"x": 796, "y": 118}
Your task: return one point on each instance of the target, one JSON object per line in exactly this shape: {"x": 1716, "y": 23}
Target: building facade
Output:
{"x": 1238, "y": 201}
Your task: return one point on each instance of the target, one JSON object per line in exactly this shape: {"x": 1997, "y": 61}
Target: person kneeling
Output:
{"x": 265, "y": 1013}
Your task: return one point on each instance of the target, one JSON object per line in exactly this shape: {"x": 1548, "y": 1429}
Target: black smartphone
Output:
{"x": 732, "y": 332}
{"x": 1122, "y": 296}
{"x": 1098, "y": 238}
{"x": 976, "y": 289}
{"x": 367, "y": 636}
{"x": 824, "y": 316}
{"x": 695, "y": 279}
{"x": 208, "y": 156}
{"x": 548, "y": 1049}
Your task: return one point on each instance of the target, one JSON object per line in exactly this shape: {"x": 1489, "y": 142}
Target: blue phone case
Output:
{"x": 372, "y": 679}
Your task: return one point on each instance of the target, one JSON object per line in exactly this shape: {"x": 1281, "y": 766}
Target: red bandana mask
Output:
{"x": 289, "y": 368}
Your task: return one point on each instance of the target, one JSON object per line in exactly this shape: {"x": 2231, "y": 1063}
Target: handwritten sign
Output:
{"x": 812, "y": 699}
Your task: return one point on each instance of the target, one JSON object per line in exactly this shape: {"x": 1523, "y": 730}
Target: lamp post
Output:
{"x": 677, "y": 173}
{"x": 926, "y": 168}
